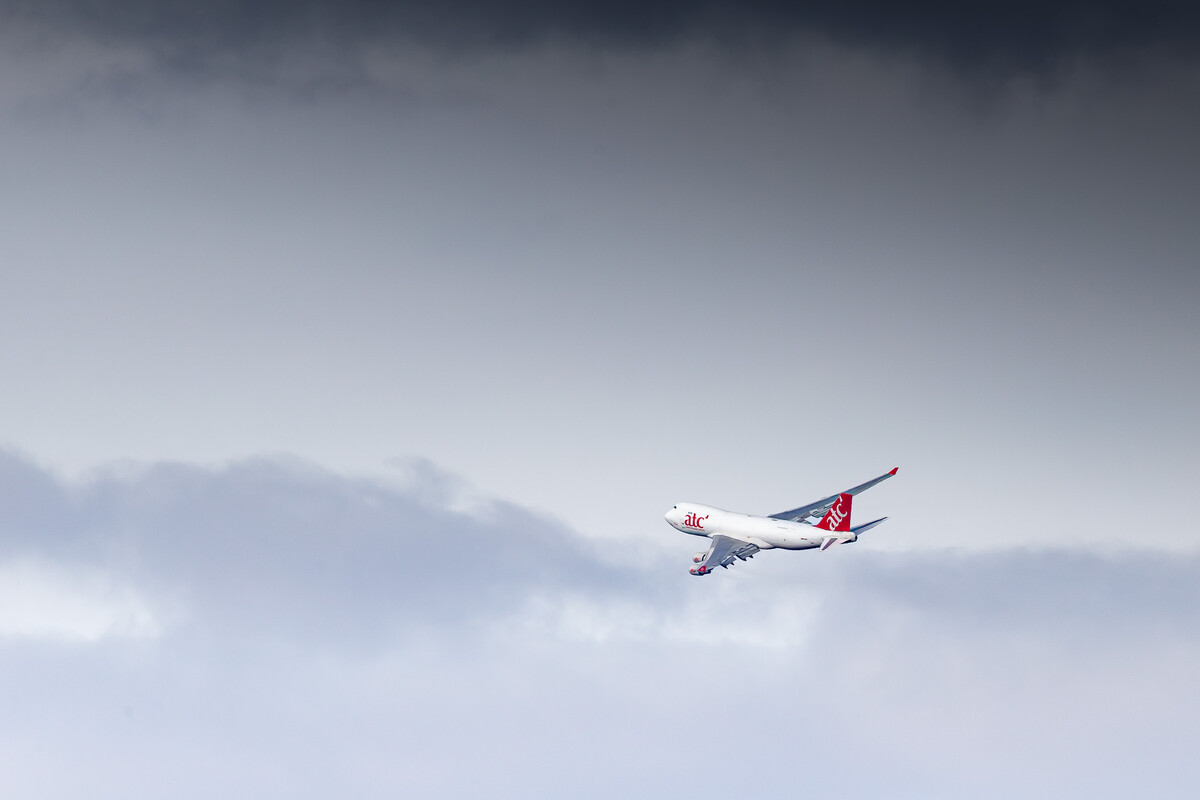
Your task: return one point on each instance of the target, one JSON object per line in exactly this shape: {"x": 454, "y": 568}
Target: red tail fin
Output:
{"x": 838, "y": 516}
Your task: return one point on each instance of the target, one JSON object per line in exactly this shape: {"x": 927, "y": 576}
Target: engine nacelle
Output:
{"x": 698, "y": 557}
{"x": 699, "y": 570}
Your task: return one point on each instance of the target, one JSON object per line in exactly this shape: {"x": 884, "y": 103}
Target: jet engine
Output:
{"x": 699, "y": 557}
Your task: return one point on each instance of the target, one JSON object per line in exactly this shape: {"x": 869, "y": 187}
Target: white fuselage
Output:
{"x": 764, "y": 532}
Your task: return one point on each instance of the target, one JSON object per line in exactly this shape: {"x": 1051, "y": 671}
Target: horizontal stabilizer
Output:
{"x": 866, "y": 526}
{"x": 830, "y": 541}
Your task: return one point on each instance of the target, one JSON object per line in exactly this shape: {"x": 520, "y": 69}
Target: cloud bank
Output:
{"x": 315, "y": 633}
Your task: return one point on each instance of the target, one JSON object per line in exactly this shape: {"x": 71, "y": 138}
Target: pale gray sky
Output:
{"x": 565, "y": 275}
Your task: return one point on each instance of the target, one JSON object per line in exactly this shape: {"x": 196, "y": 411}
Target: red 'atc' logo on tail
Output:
{"x": 838, "y": 516}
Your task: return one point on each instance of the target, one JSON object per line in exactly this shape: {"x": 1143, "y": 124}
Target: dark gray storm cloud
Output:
{"x": 1003, "y": 35}
{"x": 304, "y": 633}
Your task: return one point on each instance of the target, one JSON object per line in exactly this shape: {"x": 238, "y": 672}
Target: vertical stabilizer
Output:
{"x": 837, "y": 519}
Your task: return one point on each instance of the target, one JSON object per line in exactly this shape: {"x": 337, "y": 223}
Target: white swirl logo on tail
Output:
{"x": 836, "y": 515}
{"x": 838, "y": 518}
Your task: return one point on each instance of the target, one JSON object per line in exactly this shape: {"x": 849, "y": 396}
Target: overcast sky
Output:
{"x": 352, "y": 353}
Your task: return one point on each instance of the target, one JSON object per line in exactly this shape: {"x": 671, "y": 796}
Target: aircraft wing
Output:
{"x": 818, "y": 508}
{"x": 724, "y": 551}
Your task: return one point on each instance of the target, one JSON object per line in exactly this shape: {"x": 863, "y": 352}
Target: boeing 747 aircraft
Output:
{"x": 740, "y": 536}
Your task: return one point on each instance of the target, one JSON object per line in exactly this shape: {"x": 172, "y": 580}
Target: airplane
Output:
{"x": 739, "y": 536}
